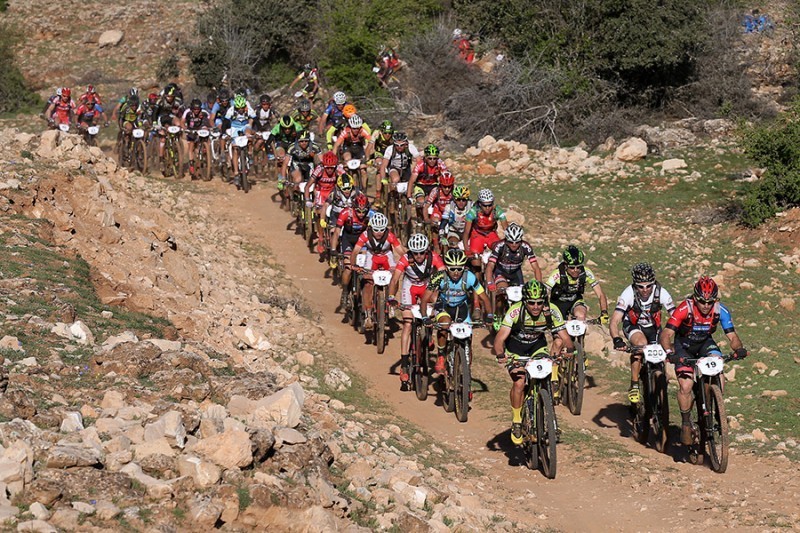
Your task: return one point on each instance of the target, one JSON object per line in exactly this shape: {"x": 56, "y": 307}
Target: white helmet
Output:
{"x": 355, "y": 121}
{"x": 378, "y": 222}
{"x": 456, "y": 33}
{"x": 58, "y": 91}
{"x": 418, "y": 243}
{"x": 485, "y": 196}
{"x": 339, "y": 98}
{"x": 514, "y": 233}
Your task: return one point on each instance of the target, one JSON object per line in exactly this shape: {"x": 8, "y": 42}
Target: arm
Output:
{"x": 734, "y": 340}
{"x": 498, "y": 348}
{"x": 537, "y": 270}
{"x": 668, "y": 339}
{"x": 428, "y": 297}
{"x": 322, "y": 121}
{"x": 356, "y": 250}
{"x": 484, "y": 300}
{"x": 395, "y": 283}
{"x": 465, "y": 237}
{"x": 614, "y": 325}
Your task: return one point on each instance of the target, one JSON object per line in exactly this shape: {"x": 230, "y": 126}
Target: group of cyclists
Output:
{"x": 454, "y": 258}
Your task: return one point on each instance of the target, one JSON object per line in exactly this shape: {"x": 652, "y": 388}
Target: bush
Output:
{"x": 14, "y": 92}
{"x": 775, "y": 146}
{"x": 167, "y": 68}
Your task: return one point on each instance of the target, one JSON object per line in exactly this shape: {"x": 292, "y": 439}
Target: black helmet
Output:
{"x": 304, "y": 106}
{"x": 224, "y": 94}
{"x": 196, "y": 104}
{"x": 305, "y": 135}
{"x": 643, "y": 273}
{"x": 573, "y": 256}
{"x": 265, "y": 99}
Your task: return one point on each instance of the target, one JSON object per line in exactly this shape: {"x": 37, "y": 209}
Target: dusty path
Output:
{"x": 643, "y": 491}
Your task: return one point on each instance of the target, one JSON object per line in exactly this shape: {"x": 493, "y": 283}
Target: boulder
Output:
{"x": 155, "y": 487}
{"x": 632, "y": 149}
{"x": 204, "y": 473}
{"x": 73, "y": 421}
{"x": 231, "y": 449}
{"x": 11, "y": 343}
{"x": 110, "y": 38}
{"x": 48, "y": 144}
{"x": 68, "y": 456}
{"x": 282, "y": 408}
{"x": 672, "y": 164}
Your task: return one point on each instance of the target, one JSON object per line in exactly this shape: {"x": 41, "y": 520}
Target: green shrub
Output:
{"x": 14, "y": 92}
{"x": 167, "y": 68}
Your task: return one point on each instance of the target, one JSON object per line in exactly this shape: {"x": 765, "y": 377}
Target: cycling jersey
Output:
{"x": 129, "y": 113}
{"x": 482, "y": 223}
{"x": 428, "y": 176}
{"x": 439, "y": 201}
{"x": 381, "y": 143}
{"x": 527, "y": 331}
{"x": 644, "y": 313}
{"x": 263, "y": 119}
{"x": 420, "y": 273}
{"x": 195, "y": 122}
{"x": 338, "y": 201}
{"x": 351, "y": 223}
{"x": 454, "y": 218}
{"x": 323, "y": 179}
{"x": 283, "y": 137}
{"x": 239, "y": 121}
{"x": 454, "y": 293}
{"x": 359, "y": 136}
{"x": 304, "y": 120}
{"x": 62, "y": 110}
{"x": 87, "y": 115}
{"x": 378, "y": 246}
{"x": 148, "y": 111}
{"x": 300, "y": 156}
{"x": 690, "y": 325}
{"x": 508, "y": 261}
{"x": 400, "y": 160}
{"x": 334, "y": 113}
{"x": 165, "y": 109}
{"x": 565, "y": 288}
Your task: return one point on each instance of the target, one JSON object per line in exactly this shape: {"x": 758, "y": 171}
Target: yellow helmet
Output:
{"x": 345, "y": 182}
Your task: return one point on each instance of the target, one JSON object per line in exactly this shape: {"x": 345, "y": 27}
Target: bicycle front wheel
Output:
{"x": 576, "y": 379}
{"x": 546, "y": 433}
{"x": 380, "y": 319}
{"x": 660, "y": 410}
{"x": 420, "y": 364}
{"x": 716, "y": 430}
{"x": 529, "y": 442}
{"x": 463, "y": 379}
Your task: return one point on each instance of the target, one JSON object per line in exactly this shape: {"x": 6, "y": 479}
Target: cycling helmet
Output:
{"x": 133, "y": 101}
{"x": 706, "y": 290}
{"x": 196, "y": 104}
{"x": 339, "y": 98}
{"x": 345, "y": 182}
{"x": 58, "y": 91}
{"x": 455, "y": 257}
{"x": 378, "y": 222}
{"x": 90, "y": 89}
{"x": 387, "y": 127}
{"x": 534, "y": 290}
{"x": 573, "y": 256}
{"x": 153, "y": 97}
{"x": 286, "y": 122}
{"x": 399, "y": 137}
{"x": 447, "y": 179}
{"x": 643, "y": 273}
{"x": 307, "y": 67}
{"x": 330, "y": 159}
{"x": 355, "y": 122}
{"x": 224, "y": 94}
{"x": 418, "y": 243}
{"x": 485, "y": 196}
{"x": 461, "y": 192}
{"x": 239, "y": 102}
{"x": 134, "y": 92}
{"x": 304, "y": 106}
{"x": 349, "y": 110}
{"x": 305, "y": 135}
{"x": 457, "y": 33}
{"x": 66, "y": 92}
{"x": 361, "y": 203}
{"x": 265, "y": 99}
{"x": 431, "y": 151}
{"x": 514, "y": 233}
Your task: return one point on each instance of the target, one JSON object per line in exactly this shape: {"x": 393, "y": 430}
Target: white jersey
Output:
{"x": 400, "y": 160}
{"x": 625, "y": 303}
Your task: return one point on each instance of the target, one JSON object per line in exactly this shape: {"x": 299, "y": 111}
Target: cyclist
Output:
{"x": 351, "y": 223}
{"x": 284, "y": 135}
{"x": 50, "y": 100}
{"x": 115, "y": 113}
{"x": 130, "y": 114}
{"x": 241, "y": 123}
{"x": 568, "y": 282}
{"x": 414, "y": 269}
{"x": 688, "y": 336}
{"x": 91, "y": 94}
{"x": 195, "y": 118}
{"x": 451, "y": 292}
{"x": 426, "y": 174}
{"x": 637, "y": 317}
{"x": 454, "y": 218}
{"x": 149, "y": 110}
{"x": 89, "y": 112}
{"x": 265, "y": 116}
{"x": 388, "y": 63}
{"x": 397, "y": 161}
{"x": 340, "y": 199}
{"x": 354, "y": 141}
{"x": 218, "y": 112}
{"x": 323, "y": 179}
{"x": 309, "y": 73}
{"x": 436, "y": 202}
{"x": 522, "y": 334}
{"x": 382, "y": 139}
{"x": 379, "y": 245}
{"x": 62, "y": 111}
{"x": 504, "y": 267}
{"x": 304, "y": 115}
{"x": 480, "y": 229}
{"x": 332, "y": 112}
{"x": 299, "y": 160}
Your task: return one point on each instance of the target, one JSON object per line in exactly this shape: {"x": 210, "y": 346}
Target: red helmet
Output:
{"x": 66, "y": 92}
{"x": 706, "y": 290}
{"x": 361, "y": 203}
{"x": 90, "y": 89}
{"x": 447, "y": 179}
{"x": 330, "y": 159}
{"x": 152, "y": 97}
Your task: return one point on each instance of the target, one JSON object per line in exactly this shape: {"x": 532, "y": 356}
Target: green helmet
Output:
{"x": 305, "y": 135}
{"x": 455, "y": 258}
{"x": 461, "y": 192}
{"x": 573, "y": 256}
{"x": 431, "y": 150}
{"x": 287, "y": 122}
{"x": 387, "y": 126}
{"x": 239, "y": 102}
{"x": 534, "y": 290}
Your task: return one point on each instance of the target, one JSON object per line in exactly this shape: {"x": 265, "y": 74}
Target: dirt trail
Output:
{"x": 645, "y": 491}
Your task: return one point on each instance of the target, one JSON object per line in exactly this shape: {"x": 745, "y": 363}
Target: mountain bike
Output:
{"x": 380, "y": 280}
{"x": 419, "y": 371}
{"x": 264, "y": 161}
{"x": 89, "y": 134}
{"x": 172, "y": 162}
{"x": 239, "y": 147}
{"x": 203, "y": 156}
{"x": 458, "y": 368}
{"x": 572, "y": 370}
{"x": 539, "y": 429}
{"x": 219, "y": 161}
{"x": 352, "y": 307}
{"x": 710, "y": 430}
{"x": 397, "y": 209}
{"x": 137, "y": 150}
{"x": 501, "y": 299}
{"x": 651, "y": 414}
{"x": 360, "y": 171}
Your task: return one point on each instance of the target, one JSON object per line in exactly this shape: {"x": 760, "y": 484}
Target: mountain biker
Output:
{"x": 323, "y": 179}
{"x": 220, "y": 109}
{"x": 332, "y": 112}
{"x": 300, "y": 160}
{"x": 355, "y": 142}
{"x": 351, "y": 223}
{"x": 241, "y": 123}
{"x": 452, "y": 291}
{"x": 504, "y": 267}
{"x": 414, "y": 269}
{"x": 62, "y": 111}
{"x": 480, "y": 229}
{"x": 522, "y": 334}
{"x": 568, "y": 282}
{"x": 382, "y": 138}
{"x": 50, "y": 100}
{"x": 436, "y": 202}
{"x": 115, "y": 113}
{"x": 284, "y": 135}
{"x": 465, "y": 49}
{"x": 89, "y": 112}
{"x": 454, "y": 218}
{"x": 91, "y": 94}
{"x": 304, "y": 115}
{"x": 688, "y": 336}
{"x": 130, "y": 114}
{"x": 388, "y": 63}
{"x": 265, "y": 116}
{"x": 149, "y": 106}
{"x": 397, "y": 162}
{"x": 426, "y": 173}
{"x": 379, "y": 244}
{"x": 340, "y": 199}
{"x": 333, "y": 132}
{"x": 195, "y": 118}
{"x": 637, "y": 316}
{"x": 309, "y": 73}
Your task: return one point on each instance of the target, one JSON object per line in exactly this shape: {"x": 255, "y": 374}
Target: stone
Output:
{"x": 155, "y": 487}
{"x": 231, "y": 449}
{"x": 16, "y": 468}
{"x": 29, "y": 362}
{"x": 241, "y": 405}
{"x": 81, "y": 333}
{"x": 204, "y": 513}
{"x": 160, "y": 445}
{"x": 304, "y": 358}
{"x": 83, "y": 507}
{"x": 204, "y": 473}
{"x": 290, "y": 436}
{"x": 672, "y": 164}
{"x": 485, "y": 169}
{"x": 760, "y": 367}
{"x": 759, "y": 435}
{"x": 633, "y": 149}
{"x": 774, "y": 393}
{"x": 105, "y": 510}
{"x": 11, "y": 343}
{"x": 48, "y": 144}
{"x": 66, "y": 519}
{"x": 113, "y": 400}
{"x": 337, "y": 380}
{"x": 39, "y": 526}
{"x": 68, "y": 456}
{"x": 7, "y": 511}
{"x": 115, "y": 340}
{"x": 165, "y": 345}
{"x": 109, "y": 38}
{"x": 39, "y": 511}
{"x": 787, "y": 303}
{"x": 283, "y": 408}
{"x": 73, "y": 421}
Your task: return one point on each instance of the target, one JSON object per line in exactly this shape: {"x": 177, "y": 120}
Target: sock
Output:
{"x": 404, "y": 360}
{"x": 634, "y": 384}
{"x": 516, "y": 414}
{"x": 686, "y": 417}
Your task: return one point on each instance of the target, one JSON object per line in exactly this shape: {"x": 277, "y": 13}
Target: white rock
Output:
{"x": 290, "y": 436}
{"x": 73, "y": 421}
{"x": 632, "y": 149}
{"x": 83, "y": 507}
{"x": 37, "y": 526}
{"x": 165, "y": 345}
{"x": 231, "y": 449}
{"x": 337, "y": 379}
{"x": 126, "y": 336}
{"x": 39, "y": 511}
{"x": 672, "y": 164}
{"x": 81, "y": 333}
{"x": 11, "y": 343}
{"x": 113, "y": 400}
{"x": 110, "y": 38}
{"x": 282, "y": 408}
{"x": 204, "y": 473}
{"x": 155, "y": 487}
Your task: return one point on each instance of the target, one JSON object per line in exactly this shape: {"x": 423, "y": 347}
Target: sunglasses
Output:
{"x": 704, "y": 301}
{"x": 419, "y": 254}
{"x": 461, "y": 199}
{"x": 644, "y": 286}
{"x": 455, "y": 269}
{"x": 574, "y": 267}
{"x": 485, "y": 205}
{"x": 329, "y": 168}
{"x": 534, "y": 302}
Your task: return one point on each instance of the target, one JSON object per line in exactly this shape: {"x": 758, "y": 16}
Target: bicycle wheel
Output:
{"x": 177, "y": 158}
{"x": 716, "y": 430}
{"x": 463, "y": 380}
{"x": 308, "y": 219}
{"x": 139, "y": 158}
{"x": 529, "y": 433}
{"x": 660, "y": 411}
{"x": 243, "y": 170}
{"x": 380, "y": 319}
{"x": 641, "y": 411}
{"x": 546, "y": 433}
{"x": 204, "y": 161}
{"x": 260, "y": 163}
{"x": 576, "y": 379}
{"x": 420, "y": 365}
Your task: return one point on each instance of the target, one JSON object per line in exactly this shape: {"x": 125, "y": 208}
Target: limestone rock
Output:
{"x": 672, "y": 164}
{"x": 68, "y": 456}
{"x": 73, "y": 421}
{"x": 204, "y": 473}
{"x": 632, "y": 149}
{"x": 11, "y": 343}
{"x": 110, "y": 38}
{"x": 231, "y": 449}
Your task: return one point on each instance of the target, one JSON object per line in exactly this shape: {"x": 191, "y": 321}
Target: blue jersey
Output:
{"x": 454, "y": 293}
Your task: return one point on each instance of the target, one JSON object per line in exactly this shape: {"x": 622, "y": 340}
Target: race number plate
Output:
{"x": 93, "y": 130}
{"x": 539, "y": 368}
{"x": 202, "y": 133}
{"x": 461, "y": 331}
{"x": 354, "y": 164}
{"x": 64, "y": 127}
{"x": 381, "y": 277}
{"x": 138, "y": 133}
{"x": 514, "y": 294}
{"x": 241, "y": 141}
{"x": 174, "y": 129}
{"x": 402, "y": 187}
{"x": 654, "y": 353}
{"x": 711, "y": 365}
{"x": 576, "y": 328}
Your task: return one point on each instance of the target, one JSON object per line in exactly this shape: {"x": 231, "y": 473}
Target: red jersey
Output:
{"x": 419, "y": 274}
{"x": 438, "y": 200}
{"x": 62, "y": 110}
{"x": 429, "y": 175}
{"x": 350, "y": 222}
{"x": 350, "y": 136}
{"x": 378, "y": 247}
{"x": 324, "y": 181}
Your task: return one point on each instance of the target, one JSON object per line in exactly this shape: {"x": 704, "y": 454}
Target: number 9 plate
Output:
{"x": 539, "y": 368}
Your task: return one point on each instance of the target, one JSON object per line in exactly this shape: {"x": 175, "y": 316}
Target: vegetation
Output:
{"x": 168, "y": 68}
{"x": 14, "y": 92}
